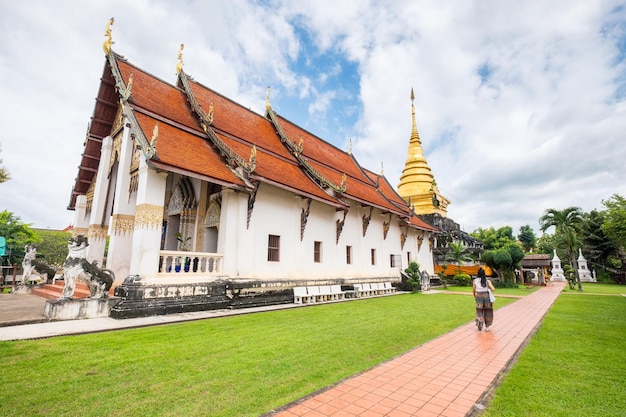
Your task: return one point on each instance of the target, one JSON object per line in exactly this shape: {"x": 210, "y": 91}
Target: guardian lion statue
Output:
{"x": 76, "y": 266}
{"x": 34, "y": 271}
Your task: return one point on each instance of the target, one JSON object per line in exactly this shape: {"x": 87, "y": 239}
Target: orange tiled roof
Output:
{"x": 210, "y": 151}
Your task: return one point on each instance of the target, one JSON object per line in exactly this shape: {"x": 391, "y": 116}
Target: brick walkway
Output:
{"x": 444, "y": 377}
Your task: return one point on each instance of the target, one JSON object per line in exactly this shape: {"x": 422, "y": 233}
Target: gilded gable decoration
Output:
{"x": 403, "y": 236}
{"x": 366, "y": 220}
{"x": 340, "y": 224}
{"x": 386, "y": 225}
{"x": 304, "y": 217}
{"x": 118, "y": 124}
{"x": 106, "y": 46}
{"x": 251, "y": 200}
{"x": 238, "y": 165}
{"x": 296, "y": 151}
{"x": 179, "y": 65}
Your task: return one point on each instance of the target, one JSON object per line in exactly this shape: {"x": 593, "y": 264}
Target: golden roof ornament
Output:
{"x": 267, "y": 99}
{"x": 179, "y": 65}
{"x": 106, "y": 46}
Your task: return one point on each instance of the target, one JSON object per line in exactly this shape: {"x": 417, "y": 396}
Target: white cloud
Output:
{"x": 519, "y": 105}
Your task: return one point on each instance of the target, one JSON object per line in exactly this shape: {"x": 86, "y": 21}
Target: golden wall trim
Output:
{"x": 149, "y": 216}
{"x": 122, "y": 224}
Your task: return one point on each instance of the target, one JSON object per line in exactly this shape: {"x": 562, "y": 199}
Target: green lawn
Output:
{"x": 233, "y": 366}
{"x": 575, "y": 366}
{"x": 248, "y": 365}
{"x": 598, "y": 288}
{"x": 522, "y": 290}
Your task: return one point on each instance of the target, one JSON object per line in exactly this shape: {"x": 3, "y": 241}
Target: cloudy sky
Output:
{"x": 521, "y": 105}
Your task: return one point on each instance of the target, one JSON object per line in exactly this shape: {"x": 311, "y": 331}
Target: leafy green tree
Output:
{"x": 53, "y": 245}
{"x": 598, "y": 248}
{"x": 567, "y": 226}
{"x": 546, "y": 243}
{"x": 17, "y": 234}
{"x": 527, "y": 237}
{"x": 457, "y": 252}
{"x": 614, "y": 225}
{"x": 494, "y": 239}
{"x": 502, "y": 260}
{"x": 414, "y": 278}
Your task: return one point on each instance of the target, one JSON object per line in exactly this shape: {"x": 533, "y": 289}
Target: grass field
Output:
{"x": 574, "y": 366}
{"x": 248, "y": 365}
{"x": 234, "y": 366}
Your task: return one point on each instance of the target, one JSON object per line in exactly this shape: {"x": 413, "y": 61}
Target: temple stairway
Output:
{"x": 54, "y": 291}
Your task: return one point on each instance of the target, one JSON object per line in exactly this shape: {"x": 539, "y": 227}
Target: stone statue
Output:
{"x": 425, "y": 281}
{"x": 76, "y": 266}
{"x": 34, "y": 271}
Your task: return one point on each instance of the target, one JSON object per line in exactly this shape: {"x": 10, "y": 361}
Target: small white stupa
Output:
{"x": 583, "y": 270}
{"x": 557, "y": 271}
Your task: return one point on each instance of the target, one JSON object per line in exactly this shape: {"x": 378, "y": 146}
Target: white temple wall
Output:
{"x": 98, "y": 217}
{"x": 121, "y": 225}
{"x": 278, "y": 212}
{"x": 146, "y": 237}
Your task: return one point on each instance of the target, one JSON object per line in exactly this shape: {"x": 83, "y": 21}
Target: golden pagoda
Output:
{"x": 417, "y": 184}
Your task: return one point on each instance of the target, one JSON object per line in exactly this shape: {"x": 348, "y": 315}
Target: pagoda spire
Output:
{"x": 417, "y": 183}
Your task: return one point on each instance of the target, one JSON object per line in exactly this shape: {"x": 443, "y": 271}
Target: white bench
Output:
{"x": 301, "y": 296}
{"x": 370, "y": 289}
{"x": 317, "y": 294}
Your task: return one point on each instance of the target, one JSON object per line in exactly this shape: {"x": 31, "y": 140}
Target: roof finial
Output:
{"x": 350, "y": 146}
{"x": 179, "y": 66}
{"x": 106, "y": 46}
{"x": 382, "y": 169}
{"x": 267, "y": 98}
{"x": 414, "y": 135}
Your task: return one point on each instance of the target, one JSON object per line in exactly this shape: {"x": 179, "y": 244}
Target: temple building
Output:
{"x": 418, "y": 188}
{"x": 196, "y": 202}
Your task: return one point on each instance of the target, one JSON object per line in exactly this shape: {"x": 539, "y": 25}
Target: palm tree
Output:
{"x": 567, "y": 224}
{"x": 457, "y": 253}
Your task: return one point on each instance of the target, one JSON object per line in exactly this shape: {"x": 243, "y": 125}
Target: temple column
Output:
{"x": 123, "y": 217}
{"x": 146, "y": 238}
{"x": 81, "y": 220}
{"x": 232, "y": 241}
{"x": 98, "y": 221}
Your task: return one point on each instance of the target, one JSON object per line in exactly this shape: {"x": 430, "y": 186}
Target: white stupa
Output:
{"x": 557, "y": 271}
{"x": 583, "y": 270}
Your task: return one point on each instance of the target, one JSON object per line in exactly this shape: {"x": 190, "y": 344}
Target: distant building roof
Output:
{"x": 536, "y": 260}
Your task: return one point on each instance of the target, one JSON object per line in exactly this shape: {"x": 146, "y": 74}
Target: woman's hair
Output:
{"x": 482, "y": 276}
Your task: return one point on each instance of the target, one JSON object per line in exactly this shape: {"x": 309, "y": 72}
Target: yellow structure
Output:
{"x": 417, "y": 184}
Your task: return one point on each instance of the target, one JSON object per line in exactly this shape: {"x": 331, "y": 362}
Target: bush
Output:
{"x": 504, "y": 284}
{"x": 462, "y": 279}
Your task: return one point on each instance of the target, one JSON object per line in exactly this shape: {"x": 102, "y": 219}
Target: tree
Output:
{"x": 457, "y": 252}
{"x": 600, "y": 250}
{"x": 53, "y": 246}
{"x": 567, "y": 225}
{"x": 17, "y": 234}
{"x": 614, "y": 225}
{"x": 494, "y": 239}
{"x": 527, "y": 237}
{"x": 4, "y": 174}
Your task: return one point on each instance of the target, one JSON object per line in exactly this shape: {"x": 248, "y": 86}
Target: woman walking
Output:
{"x": 484, "y": 307}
